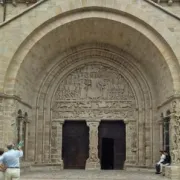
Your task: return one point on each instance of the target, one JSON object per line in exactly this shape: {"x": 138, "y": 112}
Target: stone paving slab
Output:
{"x": 92, "y": 175}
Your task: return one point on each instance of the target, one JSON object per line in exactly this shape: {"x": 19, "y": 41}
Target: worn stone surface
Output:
{"x": 93, "y": 175}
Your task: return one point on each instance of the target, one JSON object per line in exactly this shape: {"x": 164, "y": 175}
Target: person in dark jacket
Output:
{"x": 167, "y": 158}
{"x": 160, "y": 162}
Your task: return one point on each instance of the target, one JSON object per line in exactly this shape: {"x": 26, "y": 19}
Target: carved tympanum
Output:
{"x": 94, "y": 90}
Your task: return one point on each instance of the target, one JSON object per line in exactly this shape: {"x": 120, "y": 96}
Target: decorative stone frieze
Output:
{"x": 175, "y": 138}
{"x": 93, "y": 161}
{"x": 173, "y": 172}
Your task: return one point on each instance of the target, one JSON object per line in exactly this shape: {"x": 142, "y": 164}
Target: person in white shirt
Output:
{"x": 11, "y": 160}
{"x": 160, "y": 162}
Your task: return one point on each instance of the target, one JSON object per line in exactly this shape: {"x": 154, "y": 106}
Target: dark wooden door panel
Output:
{"x": 75, "y": 144}
{"x": 119, "y": 153}
{"x": 116, "y": 131}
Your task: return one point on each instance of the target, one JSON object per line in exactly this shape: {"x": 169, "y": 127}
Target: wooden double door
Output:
{"x": 111, "y": 144}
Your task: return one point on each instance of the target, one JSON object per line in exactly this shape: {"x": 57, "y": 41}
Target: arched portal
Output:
{"x": 94, "y": 68}
{"x": 94, "y": 84}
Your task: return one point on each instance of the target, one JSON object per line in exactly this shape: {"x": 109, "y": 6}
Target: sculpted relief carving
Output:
{"x": 93, "y": 145}
{"x": 94, "y": 90}
{"x": 175, "y": 125}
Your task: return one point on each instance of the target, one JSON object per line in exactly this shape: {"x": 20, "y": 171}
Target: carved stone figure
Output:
{"x": 94, "y": 90}
{"x": 175, "y": 135}
{"x": 93, "y": 142}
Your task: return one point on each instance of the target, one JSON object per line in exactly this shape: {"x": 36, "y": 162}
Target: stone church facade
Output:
{"x": 93, "y": 62}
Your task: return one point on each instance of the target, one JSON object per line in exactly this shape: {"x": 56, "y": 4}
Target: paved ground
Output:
{"x": 92, "y": 175}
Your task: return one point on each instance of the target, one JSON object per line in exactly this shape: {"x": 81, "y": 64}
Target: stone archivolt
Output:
{"x": 94, "y": 84}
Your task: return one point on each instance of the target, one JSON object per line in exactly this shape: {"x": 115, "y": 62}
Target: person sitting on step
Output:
{"x": 160, "y": 162}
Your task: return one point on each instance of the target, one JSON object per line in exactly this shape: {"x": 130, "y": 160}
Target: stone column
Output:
{"x": 56, "y": 143}
{"x": 161, "y": 147}
{"x": 21, "y": 121}
{"x": 26, "y": 140}
{"x": 59, "y": 143}
{"x": 93, "y": 161}
{"x": 131, "y": 143}
{"x": 128, "y": 147}
{"x": 25, "y": 135}
{"x": 175, "y": 138}
{"x": 174, "y": 135}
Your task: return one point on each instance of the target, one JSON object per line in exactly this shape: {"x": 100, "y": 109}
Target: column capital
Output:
{"x": 58, "y": 122}
{"x": 126, "y": 122}
{"x": 61, "y": 122}
{"x": 93, "y": 124}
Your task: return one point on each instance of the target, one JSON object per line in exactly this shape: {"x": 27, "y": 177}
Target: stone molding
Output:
{"x": 171, "y": 99}
{"x": 163, "y": 9}
{"x": 41, "y": 1}
{"x": 17, "y": 98}
{"x": 23, "y": 12}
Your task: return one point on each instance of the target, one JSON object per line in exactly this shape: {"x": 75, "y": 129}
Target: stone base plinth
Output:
{"x": 92, "y": 165}
{"x": 172, "y": 172}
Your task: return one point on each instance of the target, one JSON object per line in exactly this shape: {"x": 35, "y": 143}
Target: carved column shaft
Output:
{"x": 93, "y": 160}
{"x": 131, "y": 143}
{"x": 161, "y": 134}
{"x": 175, "y": 138}
{"x": 59, "y": 142}
{"x": 56, "y": 143}
{"x": 128, "y": 147}
{"x": 26, "y": 140}
{"x": 21, "y": 123}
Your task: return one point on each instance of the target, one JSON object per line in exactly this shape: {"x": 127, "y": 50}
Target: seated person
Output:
{"x": 2, "y": 167}
{"x": 160, "y": 163}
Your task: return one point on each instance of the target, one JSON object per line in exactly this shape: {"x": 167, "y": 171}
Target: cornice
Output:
{"x": 14, "y": 97}
{"x": 170, "y": 99}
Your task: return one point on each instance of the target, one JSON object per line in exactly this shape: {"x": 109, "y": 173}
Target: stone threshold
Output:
{"x": 57, "y": 167}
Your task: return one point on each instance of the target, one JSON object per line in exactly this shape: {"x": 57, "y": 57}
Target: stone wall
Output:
{"x": 40, "y": 49}
{"x": 170, "y": 20}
